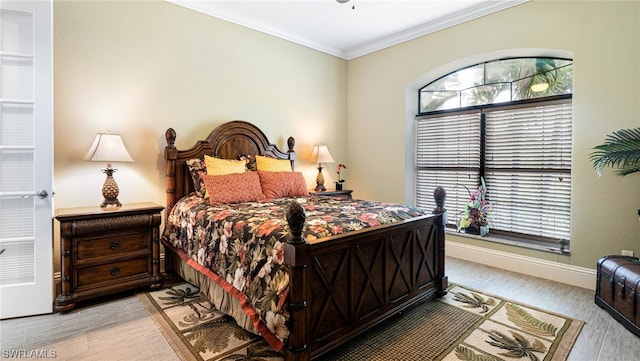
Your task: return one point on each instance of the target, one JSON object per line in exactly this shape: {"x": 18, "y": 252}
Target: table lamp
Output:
{"x": 108, "y": 148}
{"x": 320, "y": 154}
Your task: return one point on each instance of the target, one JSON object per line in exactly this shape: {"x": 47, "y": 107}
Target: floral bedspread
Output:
{"x": 244, "y": 243}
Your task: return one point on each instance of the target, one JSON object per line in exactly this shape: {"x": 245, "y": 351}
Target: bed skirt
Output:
{"x": 221, "y": 296}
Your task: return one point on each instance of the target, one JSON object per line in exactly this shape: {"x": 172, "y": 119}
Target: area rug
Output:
{"x": 464, "y": 325}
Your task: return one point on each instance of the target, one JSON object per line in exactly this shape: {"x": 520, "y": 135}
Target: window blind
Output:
{"x": 17, "y": 148}
{"x": 524, "y": 154}
{"x": 447, "y": 155}
{"x": 528, "y": 169}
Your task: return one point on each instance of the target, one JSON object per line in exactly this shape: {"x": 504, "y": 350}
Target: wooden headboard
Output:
{"x": 230, "y": 140}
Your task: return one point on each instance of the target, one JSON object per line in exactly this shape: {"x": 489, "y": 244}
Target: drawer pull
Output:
{"x": 114, "y": 271}
{"x": 114, "y": 245}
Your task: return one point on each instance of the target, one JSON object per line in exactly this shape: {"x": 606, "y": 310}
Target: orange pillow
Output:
{"x": 283, "y": 184}
{"x": 233, "y": 188}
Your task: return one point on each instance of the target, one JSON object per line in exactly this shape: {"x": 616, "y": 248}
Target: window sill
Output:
{"x": 513, "y": 241}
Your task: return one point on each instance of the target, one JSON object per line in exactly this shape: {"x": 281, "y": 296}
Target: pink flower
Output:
{"x": 277, "y": 324}
{"x": 369, "y": 219}
{"x": 277, "y": 253}
{"x": 337, "y": 229}
{"x": 340, "y": 166}
{"x": 239, "y": 279}
{"x": 267, "y": 227}
{"x": 222, "y": 214}
{"x": 224, "y": 244}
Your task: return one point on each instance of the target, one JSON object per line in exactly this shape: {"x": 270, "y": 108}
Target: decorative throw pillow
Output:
{"x": 217, "y": 166}
{"x": 283, "y": 184}
{"x": 272, "y": 164}
{"x": 198, "y": 168}
{"x": 233, "y": 188}
{"x": 251, "y": 161}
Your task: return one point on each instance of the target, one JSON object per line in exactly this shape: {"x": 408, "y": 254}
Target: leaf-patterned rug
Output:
{"x": 509, "y": 330}
{"x": 464, "y": 325}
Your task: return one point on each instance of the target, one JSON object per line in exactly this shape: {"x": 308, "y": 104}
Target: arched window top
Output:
{"x": 498, "y": 81}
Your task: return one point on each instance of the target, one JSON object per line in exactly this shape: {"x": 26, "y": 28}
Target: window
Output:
{"x": 509, "y": 122}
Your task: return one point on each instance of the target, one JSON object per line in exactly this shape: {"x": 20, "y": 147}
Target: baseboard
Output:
{"x": 571, "y": 275}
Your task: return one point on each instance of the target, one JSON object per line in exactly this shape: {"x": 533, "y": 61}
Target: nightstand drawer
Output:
{"x": 112, "y": 272}
{"x": 112, "y": 245}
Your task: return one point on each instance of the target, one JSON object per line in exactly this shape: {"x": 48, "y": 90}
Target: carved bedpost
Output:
{"x": 439, "y": 195}
{"x": 442, "y": 283}
{"x": 156, "y": 220}
{"x": 296, "y": 255}
{"x": 292, "y": 153}
{"x": 170, "y": 154}
{"x": 296, "y": 218}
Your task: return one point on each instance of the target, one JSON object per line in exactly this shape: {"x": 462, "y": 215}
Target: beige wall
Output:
{"x": 139, "y": 67}
{"x": 604, "y": 38}
{"x": 136, "y": 68}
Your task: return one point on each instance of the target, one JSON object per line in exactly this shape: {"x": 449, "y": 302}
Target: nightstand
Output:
{"x": 105, "y": 251}
{"x": 345, "y": 193}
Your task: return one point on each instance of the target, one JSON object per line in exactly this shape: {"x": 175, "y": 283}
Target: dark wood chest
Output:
{"x": 618, "y": 291}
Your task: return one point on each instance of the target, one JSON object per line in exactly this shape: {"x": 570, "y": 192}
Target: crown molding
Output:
{"x": 478, "y": 11}
{"x": 203, "y": 7}
{"x": 482, "y": 9}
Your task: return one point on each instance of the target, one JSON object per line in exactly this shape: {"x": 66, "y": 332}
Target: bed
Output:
{"x": 322, "y": 279}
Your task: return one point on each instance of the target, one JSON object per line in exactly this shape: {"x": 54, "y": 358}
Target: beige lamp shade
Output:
{"x": 108, "y": 148}
{"x": 321, "y": 154}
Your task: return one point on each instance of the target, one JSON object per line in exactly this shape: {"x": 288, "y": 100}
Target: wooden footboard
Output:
{"x": 344, "y": 285}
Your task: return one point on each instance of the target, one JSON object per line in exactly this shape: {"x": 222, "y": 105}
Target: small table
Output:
{"x": 108, "y": 250}
{"x": 345, "y": 193}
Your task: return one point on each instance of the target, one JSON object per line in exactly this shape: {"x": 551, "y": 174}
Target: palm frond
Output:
{"x": 621, "y": 149}
{"x": 527, "y": 322}
{"x": 474, "y": 301}
{"x": 468, "y": 354}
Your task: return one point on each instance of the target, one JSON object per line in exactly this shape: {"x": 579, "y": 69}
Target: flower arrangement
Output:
{"x": 340, "y": 166}
{"x": 340, "y": 180}
{"x": 477, "y": 209}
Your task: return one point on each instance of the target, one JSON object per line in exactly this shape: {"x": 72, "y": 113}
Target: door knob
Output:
{"x": 42, "y": 194}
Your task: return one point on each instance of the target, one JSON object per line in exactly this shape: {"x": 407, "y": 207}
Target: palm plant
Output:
{"x": 621, "y": 149}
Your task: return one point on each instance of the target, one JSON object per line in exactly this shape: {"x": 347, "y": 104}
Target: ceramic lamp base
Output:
{"x": 110, "y": 190}
{"x": 320, "y": 181}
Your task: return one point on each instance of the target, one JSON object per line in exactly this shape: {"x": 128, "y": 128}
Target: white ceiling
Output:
{"x": 352, "y": 29}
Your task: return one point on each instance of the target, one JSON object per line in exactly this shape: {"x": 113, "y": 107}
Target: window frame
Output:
{"x": 520, "y": 239}
{"x": 525, "y": 79}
